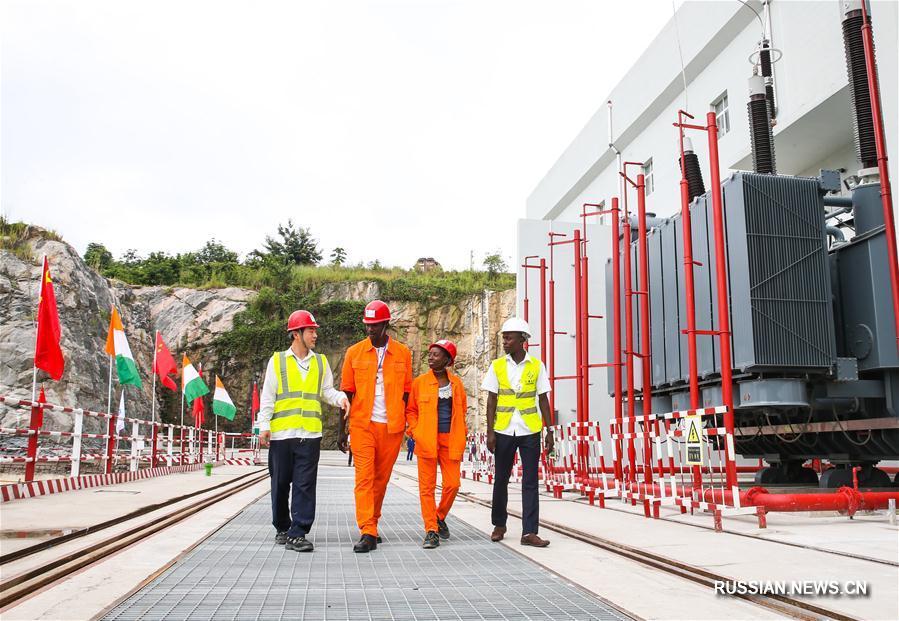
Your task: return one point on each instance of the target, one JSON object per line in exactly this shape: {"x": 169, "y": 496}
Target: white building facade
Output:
{"x": 716, "y": 40}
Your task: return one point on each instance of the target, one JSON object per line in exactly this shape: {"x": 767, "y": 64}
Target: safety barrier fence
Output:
{"x": 145, "y": 444}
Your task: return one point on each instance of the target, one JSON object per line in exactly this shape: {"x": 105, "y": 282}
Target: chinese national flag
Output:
{"x": 47, "y": 352}
{"x": 255, "y": 403}
{"x": 164, "y": 365}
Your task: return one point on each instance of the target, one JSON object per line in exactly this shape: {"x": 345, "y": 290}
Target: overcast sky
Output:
{"x": 394, "y": 129}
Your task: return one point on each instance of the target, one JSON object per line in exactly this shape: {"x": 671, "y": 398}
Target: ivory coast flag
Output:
{"x": 221, "y": 401}
{"x": 191, "y": 382}
{"x": 117, "y": 347}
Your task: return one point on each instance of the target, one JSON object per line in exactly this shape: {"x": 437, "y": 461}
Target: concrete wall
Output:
{"x": 532, "y": 239}
{"x": 813, "y": 125}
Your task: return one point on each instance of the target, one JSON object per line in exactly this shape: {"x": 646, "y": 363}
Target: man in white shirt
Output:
{"x": 297, "y": 380}
{"x": 517, "y": 411}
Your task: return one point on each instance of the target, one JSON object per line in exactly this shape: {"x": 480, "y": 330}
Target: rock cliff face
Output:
{"x": 190, "y": 321}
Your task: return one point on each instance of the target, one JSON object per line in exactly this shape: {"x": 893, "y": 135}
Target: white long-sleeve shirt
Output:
{"x": 330, "y": 395}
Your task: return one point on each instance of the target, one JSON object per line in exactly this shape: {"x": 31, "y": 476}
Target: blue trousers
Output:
{"x": 528, "y": 448}
{"x": 294, "y": 462}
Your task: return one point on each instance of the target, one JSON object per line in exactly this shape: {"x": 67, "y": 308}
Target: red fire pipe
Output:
{"x": 579, "y": 353}
{"x": 886, "y": 198}
{"x": 722, "y": 298}
{"x": 689, "y": 288}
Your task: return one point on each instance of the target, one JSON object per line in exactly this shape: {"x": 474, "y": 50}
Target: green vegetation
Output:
{"x": 14, "y": 238}
{"x": 288, "y": 262}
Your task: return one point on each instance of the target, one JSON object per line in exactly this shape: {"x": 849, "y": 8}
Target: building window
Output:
{"x": 722, "y": 116}
{"x": 648, "y": 180}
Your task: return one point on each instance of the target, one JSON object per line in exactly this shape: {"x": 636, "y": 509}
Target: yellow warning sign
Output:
{"x": 694, "y": 440}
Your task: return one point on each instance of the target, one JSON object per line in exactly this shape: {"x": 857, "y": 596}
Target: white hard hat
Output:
{"x": 514, "y": 324}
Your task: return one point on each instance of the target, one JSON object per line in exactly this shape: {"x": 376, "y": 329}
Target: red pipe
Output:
{"x": 551, "y": 333}
{"x": 34, "y": 425}
{"x": 110, "y": 444}
{"x": 844, "y": 499}
{"x": 882, "y": 164}
{"x": 722, "y": 298}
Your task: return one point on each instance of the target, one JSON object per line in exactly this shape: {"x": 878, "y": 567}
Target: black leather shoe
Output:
{"x": 299, "y": 544}
{"x": 432, "y": 540}
{"x": 380, "y": 540}
{"x": 366, "y": 544}
{"x": 281, "y": 537}
{"x": 442, "y": 529}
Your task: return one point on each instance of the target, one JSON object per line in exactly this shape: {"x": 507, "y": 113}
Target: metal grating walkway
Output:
{"x": 239, "y": 573}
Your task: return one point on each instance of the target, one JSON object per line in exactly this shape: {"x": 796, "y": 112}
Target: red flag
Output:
{"x": 198, "y": 407}
{"x": 47, "y": 352}
{"x": 164, "y": 365}
{"x": 255, "y": 405}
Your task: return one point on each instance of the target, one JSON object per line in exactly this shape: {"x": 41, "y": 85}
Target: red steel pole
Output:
{"x": 579, "y": 353}
{"x": 110, "y": 444}
{"x": 543, "y": 311}
{"x": 34, "y": 426}
{"x": 616, "y": 327}
{"x": 689, "y": 289}
{"x": 886, "y": 198}
{"x": 722, "y": 299}
{"x": 155, "y": 438}
{"x": 629, "y": 341}
{"x": 551, "y": 333}
{"x": 645, "y": 359}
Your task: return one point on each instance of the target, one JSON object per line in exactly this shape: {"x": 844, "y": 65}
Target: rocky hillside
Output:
{"x": 201, "y": 323}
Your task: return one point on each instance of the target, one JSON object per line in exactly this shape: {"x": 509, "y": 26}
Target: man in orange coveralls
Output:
{"x": 436, "y": 415}
{"x": 377, "y": 378}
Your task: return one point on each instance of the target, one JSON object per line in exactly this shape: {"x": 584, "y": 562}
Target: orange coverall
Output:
{"x": 432, "y": 447}
{"x": 375, "y": 445}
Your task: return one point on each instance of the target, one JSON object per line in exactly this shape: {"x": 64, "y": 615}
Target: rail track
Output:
{"x": 29, "y": 581}
{"x": 781, "y": 604}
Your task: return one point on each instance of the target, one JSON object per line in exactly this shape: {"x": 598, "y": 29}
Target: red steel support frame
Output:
{"x": 886, "y": 198}
{"x": 722, "y": 295}
{"x": 542, "y": 267}
{"x": 644, "y": 355}
{"x": 689, "y": 289}
{"x": 629, "y": 338}
{"x": 616, "y": 326}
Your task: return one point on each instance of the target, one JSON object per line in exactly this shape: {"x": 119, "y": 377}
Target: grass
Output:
{"x": 14, "y": 238}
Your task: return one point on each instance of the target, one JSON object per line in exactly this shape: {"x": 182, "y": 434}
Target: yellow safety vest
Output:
{"x": 297, "y": 400}
{"x": 525, "y": 401}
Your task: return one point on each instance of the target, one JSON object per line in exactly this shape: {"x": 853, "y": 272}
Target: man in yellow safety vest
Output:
{"x": 297, "y": 380}
{"x": 517, "y": 409}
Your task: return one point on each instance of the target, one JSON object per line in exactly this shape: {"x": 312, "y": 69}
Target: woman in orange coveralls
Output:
{"x": 436, "y": 419}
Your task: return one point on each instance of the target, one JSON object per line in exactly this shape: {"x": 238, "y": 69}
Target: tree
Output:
{"x": 495, "y": 264}
{"x": 97, "y": 256}
{"x": 296, "y": 246}
{"x": 215, "y": 252}
{"x": 338, "y": 256}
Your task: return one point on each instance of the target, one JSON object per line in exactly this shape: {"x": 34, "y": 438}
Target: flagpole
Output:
{"x": 153, "y": 393}
{"x": 34, "y": 321}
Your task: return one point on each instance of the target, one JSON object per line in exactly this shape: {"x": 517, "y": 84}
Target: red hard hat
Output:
{"x": 376, "y": 312}
{"x": 447, "y": 346}
{"x": 300, "y": 319}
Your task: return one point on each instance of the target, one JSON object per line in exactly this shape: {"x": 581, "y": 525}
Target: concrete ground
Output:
{"x": 746, "y": 553}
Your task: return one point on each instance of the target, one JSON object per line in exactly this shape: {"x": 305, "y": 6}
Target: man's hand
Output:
{"x": 342, "y": 437}
{"x": 549, "y": 442}
{"x": 491, "y": 441}
{"x": 265, "y": 437}
{"x": 345, "y": 406}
